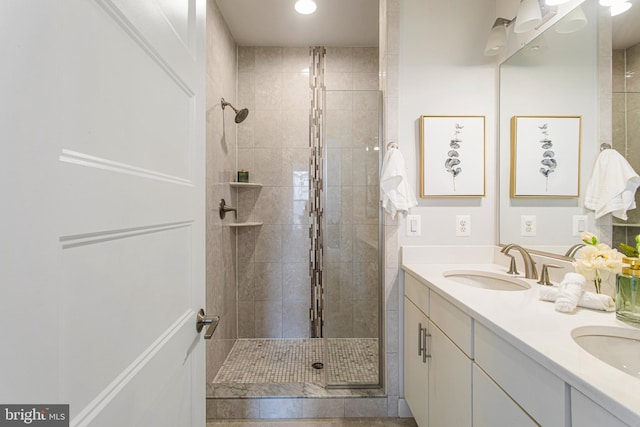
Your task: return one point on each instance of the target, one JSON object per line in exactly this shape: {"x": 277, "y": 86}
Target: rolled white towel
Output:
{"x": 587, "y": 300}
{"x": 569, "y": 292}
{"x": 548, "y": 293}
{"x": 597, "y": 301}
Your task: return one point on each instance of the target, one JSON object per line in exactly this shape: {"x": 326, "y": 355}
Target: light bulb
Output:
{"x": 618, "y": 8}
{"x": 305, "y": 7}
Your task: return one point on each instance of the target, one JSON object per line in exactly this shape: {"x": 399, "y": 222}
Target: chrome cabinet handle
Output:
{"x": 420, "y": 339}
{"x": 424, "y": 340}
{"x": 202, "y": 320}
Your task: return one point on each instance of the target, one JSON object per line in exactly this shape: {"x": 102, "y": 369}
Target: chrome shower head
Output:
{"x": 240, "y": 115}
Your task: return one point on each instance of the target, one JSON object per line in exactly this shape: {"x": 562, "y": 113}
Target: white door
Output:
{"x": 102, "y": 211}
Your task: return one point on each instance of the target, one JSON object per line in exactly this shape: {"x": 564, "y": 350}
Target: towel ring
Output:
{"x": 605, "y": 146}
{"x": 391, "y": 145}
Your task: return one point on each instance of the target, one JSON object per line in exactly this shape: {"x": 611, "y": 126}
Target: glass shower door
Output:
{"x": 352, "y": 239}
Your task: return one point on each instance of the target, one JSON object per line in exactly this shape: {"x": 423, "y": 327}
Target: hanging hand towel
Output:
{"x": 612, "y": 186}
{"x": 395, "y": 191}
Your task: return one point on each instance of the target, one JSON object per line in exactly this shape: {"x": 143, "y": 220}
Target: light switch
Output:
{"x": 463, "y": 225}
{"x": 528, "y": 225}
{"x": 414, "y": 225}
{"x": 579, "y": 224}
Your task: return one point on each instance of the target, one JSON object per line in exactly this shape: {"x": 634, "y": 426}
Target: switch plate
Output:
{"x": 528, "y": 225}
{"x": 414, "y": 225}
{"x": 579, "y": 224}
{"x": 463, "y": 225}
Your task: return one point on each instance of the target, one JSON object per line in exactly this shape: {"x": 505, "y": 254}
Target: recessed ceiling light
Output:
{"x": 305, "y": 7}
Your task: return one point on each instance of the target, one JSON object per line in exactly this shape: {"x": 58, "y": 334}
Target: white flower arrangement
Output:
{"x": 597, "y": 261}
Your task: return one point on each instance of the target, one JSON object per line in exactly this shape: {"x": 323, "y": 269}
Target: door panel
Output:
{"x": 104, "y": 225}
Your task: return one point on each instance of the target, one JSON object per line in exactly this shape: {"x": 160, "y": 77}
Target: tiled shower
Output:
{"x": 272, "y": 260}
{"x": 233, "y": 76}
{"x": 626, "y": 128}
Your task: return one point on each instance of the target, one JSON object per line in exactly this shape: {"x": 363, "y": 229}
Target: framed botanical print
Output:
{"x": 452, "y": 156}
{"x": 545, "y": 156}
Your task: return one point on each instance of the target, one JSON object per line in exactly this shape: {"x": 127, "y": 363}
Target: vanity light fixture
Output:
{"x": 572, "y": 22}
{"x": 497, "y": 40}
{"x": 619, "y": 7}
{"x": 529, "y": 16}
{"x": 305, "y": 7}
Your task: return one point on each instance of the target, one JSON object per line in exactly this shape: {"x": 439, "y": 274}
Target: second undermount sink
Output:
{"x": 618, "y": 347}
{"x": 487, "y": 280}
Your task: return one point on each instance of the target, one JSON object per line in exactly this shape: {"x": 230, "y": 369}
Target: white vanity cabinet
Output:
{"x": 533, "y": 387}
{"x": 438, "y": 382}
{"x": 492, "y": 407}
{"x": 586, "y": 413}
{"x": 416, "y": 367}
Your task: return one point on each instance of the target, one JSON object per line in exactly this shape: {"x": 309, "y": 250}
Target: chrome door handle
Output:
{"x": 420, "y": 349}
{"x": 212, "y": 321}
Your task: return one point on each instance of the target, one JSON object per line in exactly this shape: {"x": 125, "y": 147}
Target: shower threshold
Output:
{"x": 285, "y": 368}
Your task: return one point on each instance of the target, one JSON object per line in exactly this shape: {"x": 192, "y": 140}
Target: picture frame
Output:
{"x": 545, "y": 156}
{"x": 452, "y": 156}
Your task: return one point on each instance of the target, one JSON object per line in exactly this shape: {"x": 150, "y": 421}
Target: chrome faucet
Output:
{"x": 573, "y": 250}
{"x": 530, "y": 271}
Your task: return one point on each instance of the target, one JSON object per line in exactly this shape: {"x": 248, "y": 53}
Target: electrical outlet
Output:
{"x": 579, "y": 224}
{"x": 414, "y": 225}
{"x": 463, "y": 225}
{"x": 528, "y": 225}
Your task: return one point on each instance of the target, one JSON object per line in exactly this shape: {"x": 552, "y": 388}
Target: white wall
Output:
{"x": 443, "y": 72}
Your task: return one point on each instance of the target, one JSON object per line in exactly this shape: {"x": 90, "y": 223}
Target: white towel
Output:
{"x": 587, "y": 300}
{"x": 395, "y": 191}
{"x": 612, "y": 186}
{"x": 570, "y": 291}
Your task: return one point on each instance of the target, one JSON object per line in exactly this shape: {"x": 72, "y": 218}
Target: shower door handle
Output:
{"x": 202, "y": 320}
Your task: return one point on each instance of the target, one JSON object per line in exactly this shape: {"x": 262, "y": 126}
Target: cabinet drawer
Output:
{"x": 586, "y": 413}
{"x": 456, "y": 324}
{"x": 533, "y": 387}
{"x": 417, "y": 293}
{"x": 492, "y": 407}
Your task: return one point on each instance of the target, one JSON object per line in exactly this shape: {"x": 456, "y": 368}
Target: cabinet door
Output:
{"x": 416, "y": 372}
{"x": 586, "y": 413}
{"x": 449, "y": 382}
{"x": 492, "y": 407}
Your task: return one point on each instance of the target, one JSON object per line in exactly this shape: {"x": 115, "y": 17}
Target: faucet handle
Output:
{"x": 512, "y": 265}
{"x": 544, "y": 276}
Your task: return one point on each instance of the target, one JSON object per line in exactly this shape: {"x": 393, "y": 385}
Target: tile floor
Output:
{"x": 255, "y": 361}
{"x": 317, "y": 422}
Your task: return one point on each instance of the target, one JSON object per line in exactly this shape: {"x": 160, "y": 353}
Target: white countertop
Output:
{"x": 536, "y": 329}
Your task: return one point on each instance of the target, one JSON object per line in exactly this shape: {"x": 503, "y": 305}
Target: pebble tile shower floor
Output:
{"x": 349, "y": 361}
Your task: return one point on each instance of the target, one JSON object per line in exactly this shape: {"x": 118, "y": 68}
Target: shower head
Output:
{"x": 240, "y": 115}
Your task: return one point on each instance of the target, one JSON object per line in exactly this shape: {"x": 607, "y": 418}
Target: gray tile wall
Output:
{"x": 351, "y": 212}
{"x": 273, "y": 269}
{"x": 220, "y": 169}
{"x": 626, "y": 126}
{"x": 273, "y": 286}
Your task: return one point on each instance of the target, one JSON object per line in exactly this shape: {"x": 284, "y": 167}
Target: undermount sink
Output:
{"x": 618, "y": 347}
{"x": 487, "y": 280}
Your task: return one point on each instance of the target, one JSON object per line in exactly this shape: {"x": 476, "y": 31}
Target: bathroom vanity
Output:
{"x": 480, "y": 349}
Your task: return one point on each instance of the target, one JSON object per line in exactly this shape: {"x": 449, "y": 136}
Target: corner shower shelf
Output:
{"x": 245, "y": 224}
{"x": 245, "y": 184}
